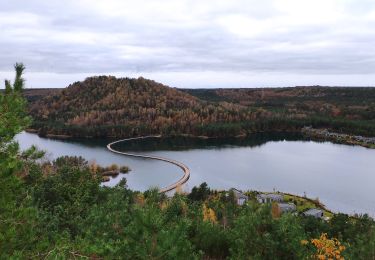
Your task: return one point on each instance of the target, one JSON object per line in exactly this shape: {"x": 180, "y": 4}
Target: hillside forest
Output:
{"x": 106, "y": 106}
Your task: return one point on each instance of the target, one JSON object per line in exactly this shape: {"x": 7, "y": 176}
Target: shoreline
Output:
{"x": 325, "y": 135}
{"x": 63, "y": 136}
{"x": 314, "y": 134}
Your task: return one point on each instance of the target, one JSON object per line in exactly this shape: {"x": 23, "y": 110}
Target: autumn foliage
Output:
{"x": 326, "y": 248}
{"x": 209, "y": 214}
{"x": 107, "y": 106}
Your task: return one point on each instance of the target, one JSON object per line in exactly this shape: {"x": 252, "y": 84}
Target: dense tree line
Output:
{"x": 109, "y": 107}
{"x": 344, "y": 109}
{"x": 126, "y": 107}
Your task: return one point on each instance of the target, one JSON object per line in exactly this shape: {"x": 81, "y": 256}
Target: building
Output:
{"x": 270, "y": 197}
{"x": 317, "y": 213}
{"x": 239, "y": 196}
{"x": 287, "y": 207}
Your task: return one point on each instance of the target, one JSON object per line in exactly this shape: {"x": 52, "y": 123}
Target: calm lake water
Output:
{"x": 341, "y": 176}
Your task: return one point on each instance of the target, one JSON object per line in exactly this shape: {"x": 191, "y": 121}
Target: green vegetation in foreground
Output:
{"x": 59, "y": 210}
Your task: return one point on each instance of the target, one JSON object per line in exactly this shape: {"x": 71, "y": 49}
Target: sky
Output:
{"x": 191, "y": 43}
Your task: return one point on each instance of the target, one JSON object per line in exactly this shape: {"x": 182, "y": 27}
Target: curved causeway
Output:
{"x": 185, "y": 169}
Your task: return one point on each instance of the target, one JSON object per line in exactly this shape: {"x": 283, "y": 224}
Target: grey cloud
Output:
{"x": 70, "y": 38}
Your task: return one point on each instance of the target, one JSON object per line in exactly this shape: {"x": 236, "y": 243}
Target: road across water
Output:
{"x": 185, "y": 169}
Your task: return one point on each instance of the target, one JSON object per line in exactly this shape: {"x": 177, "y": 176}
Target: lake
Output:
{"x": 341, "y": 176}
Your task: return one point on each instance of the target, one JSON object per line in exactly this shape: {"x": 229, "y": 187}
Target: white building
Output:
{"x": 317, "y": 213}
{"x": 287, "y": 207}
{"x": 240, "y": 197}
{"x": 270, "y": 197}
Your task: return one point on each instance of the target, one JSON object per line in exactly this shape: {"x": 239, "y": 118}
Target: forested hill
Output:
{"x": 360, "y": 96}
{"x": 343, "y": 109}
{"x": 107, "y": 106}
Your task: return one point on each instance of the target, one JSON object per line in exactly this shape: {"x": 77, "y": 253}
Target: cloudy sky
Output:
{"x": 191, "y": 43}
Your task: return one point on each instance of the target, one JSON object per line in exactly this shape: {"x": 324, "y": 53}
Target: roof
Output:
{"x": 313, "y": 211}
{"x": 286, "y": 205}
{"x": 239, "y": 194}
{"x": 270, "y": 196}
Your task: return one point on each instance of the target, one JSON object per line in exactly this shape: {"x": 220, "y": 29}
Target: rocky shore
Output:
{"x": 325, "y": 134}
